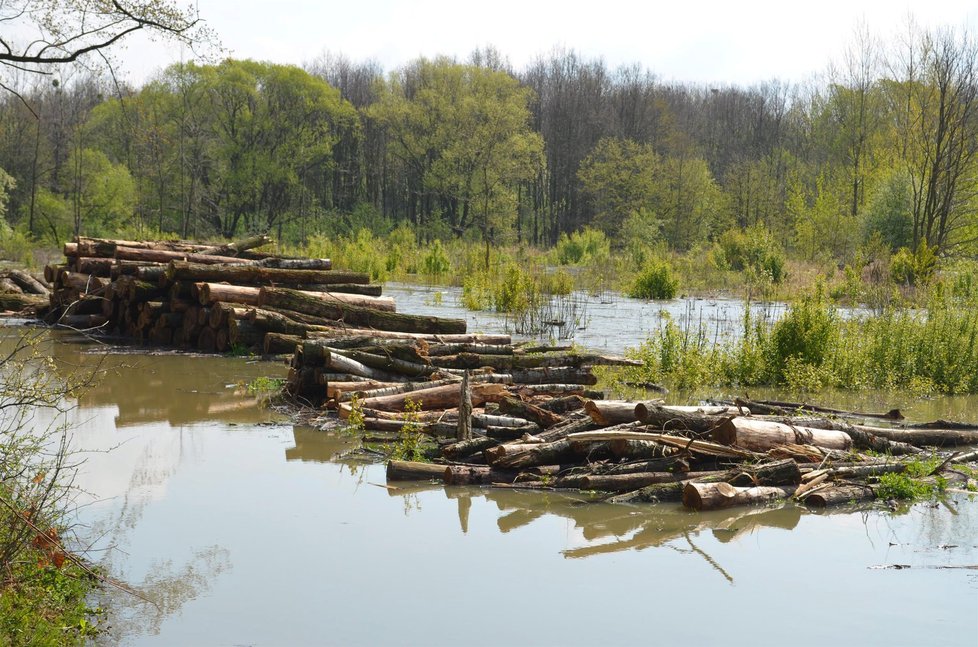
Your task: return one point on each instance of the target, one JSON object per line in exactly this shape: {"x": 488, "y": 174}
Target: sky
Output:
{"x": 730, "y": 42}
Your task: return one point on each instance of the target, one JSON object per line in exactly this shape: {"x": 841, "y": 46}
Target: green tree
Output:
{"x": 102, "y": 194}
{"x": 619, "y": 177}
{"x": 462, "y": 135}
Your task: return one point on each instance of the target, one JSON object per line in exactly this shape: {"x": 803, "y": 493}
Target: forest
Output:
{"x": 878, "y": 152}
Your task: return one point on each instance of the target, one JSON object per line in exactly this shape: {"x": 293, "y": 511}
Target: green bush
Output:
{"x": 754, "y": 249}
{"x": 582, "y": 246}
{"x": 656, "y": 281}
{"x": 804, "y": 336}
{"x": 435, "y": 263}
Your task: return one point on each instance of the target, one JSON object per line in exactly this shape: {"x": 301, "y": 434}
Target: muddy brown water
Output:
{"x": 246, "y": 530}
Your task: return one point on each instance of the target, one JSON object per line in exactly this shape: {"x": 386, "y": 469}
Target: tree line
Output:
{"x": 882, "y": 149}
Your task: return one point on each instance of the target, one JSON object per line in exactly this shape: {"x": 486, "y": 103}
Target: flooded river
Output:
{"x": 245, "y": 530}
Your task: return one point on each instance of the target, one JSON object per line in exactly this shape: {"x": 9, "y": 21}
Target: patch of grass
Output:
{"x": 656, "y": 281}
{"x": 265, "y": 385}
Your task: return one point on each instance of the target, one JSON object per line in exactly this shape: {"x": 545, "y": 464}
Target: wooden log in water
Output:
{"x": 610, "y": 412}
{"x": 558, "y": 375}
{"x": 277, "y": 343}
{"x": 529, "y": 455}
{"x": 840, "y": 495}
{"x": 413, "y": 471}
{"x": 350, "y": 314}
{"x": 713, "y": 496}
{"x": 525, "y": 410}
{"x": 21, "y": 302}
{"x": 296, "y": 263}
{"x": 463, "y": 449}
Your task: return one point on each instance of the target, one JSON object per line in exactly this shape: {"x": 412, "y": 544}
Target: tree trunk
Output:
{"x": 464, "y": 431}
{"x": 439, "y": 397}
{"x": 208, "y": 293}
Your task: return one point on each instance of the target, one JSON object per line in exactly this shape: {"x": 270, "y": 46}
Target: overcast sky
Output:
{"x": 732, "y": 41}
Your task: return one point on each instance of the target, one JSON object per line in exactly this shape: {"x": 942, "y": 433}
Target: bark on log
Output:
{"x": 763, "y": 435}
{"x": 628, "y": 482}
{"x": 529, "y": 455}
{"x": 527, "y": 411}
{"x": 299, "y": 302}
{"x": 713, "y": 496}
{"x": 935, "y": 437}
{"x": 208, "y": 293}
{"x": 252, "y": 274}
{"x": 345, "y": 331}
{"x": 28, "y": 283}
{"x": 21, "y": 302}
{"x": 163, "y": 256}
{"x": 277, "y": 343}
{"x": 840, "y": 495}
{"x": 559, "y": 375}
{"x": 412, "y": 471}
{"x": 676, "y": 420}
{"x": 296, "y": 263}
{"x": 461, "y": 450}
{"x": 439, "y": 397}
{"x": 610, "y": 412}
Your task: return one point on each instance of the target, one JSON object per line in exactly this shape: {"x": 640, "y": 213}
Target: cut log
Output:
{"x": 699, "y": 420}
{"x": 164, "y": 256}
{"x": 21, "y": 302}
{"x": 464, "y": 430}
{"x": 345, "y": 331}
{"x": 297, "y": 263}
{"x": 277, "y": 343}
{"x": 253, "y": 274}
{"x": 439, "y": 397}
{"x": 527, "y": 411}
{"x": 559, "y": 375}
{"x": 628, "y": 482}
{"x": 840, "y": 495}
{"x": 931, "y": 437}
{"x": 530, "y": 455}
{"x": 208, "y": 293}
{"x": 27, "y": 282}
{"x": 412, "y": 471}
{"x": 610, "y": 412}
{"x": 713, "y": 496}
{"x": 461, "y": 450}
{"x": 763, "y": 435}
{"x": 300, "y": 302}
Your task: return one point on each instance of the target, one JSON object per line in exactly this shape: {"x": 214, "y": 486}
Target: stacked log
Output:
{"x": 202, "y": 296}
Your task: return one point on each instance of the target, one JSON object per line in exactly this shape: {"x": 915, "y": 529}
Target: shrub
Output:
{"x": 752, "y": 248}
{"x": 804, "y": 336}
{"x": 582, "y": 246}
{"x": 656, "y": 281}
{"x": 435, "y": 263}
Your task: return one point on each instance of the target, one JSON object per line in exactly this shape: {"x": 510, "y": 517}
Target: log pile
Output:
{"x": 207, "y": 297}
{"x": 706, "y": 457}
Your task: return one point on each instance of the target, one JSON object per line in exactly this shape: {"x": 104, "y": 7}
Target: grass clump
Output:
{"x": 410, "y": 444}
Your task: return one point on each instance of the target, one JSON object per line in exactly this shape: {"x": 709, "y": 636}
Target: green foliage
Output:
{"x": 750, "y": 249}
{"x": 656, "y": 281}
{"x": 812, "y": 347}
{"x": 619, "y": 176}
{"x": 15, "y": 245}
{"x": 803, "y": 337}
{"x": 914, "y": 268}
{"x": 914, "y": 483}
{"x": 410, "y": 445}
{"x": 6, "y": 184}
{"x": 582, "y": 247}
{"x": 355, "y": 421}
{"x": 435, "y": 263}
{"x": 888, "y": 212}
